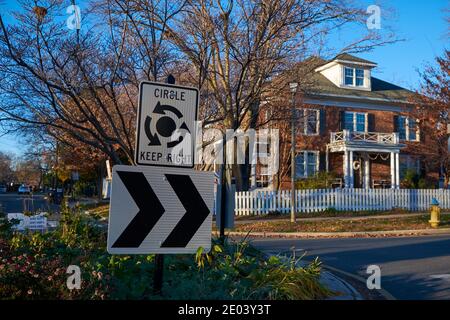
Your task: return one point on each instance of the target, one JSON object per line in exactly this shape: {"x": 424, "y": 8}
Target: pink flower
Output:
{"x": 30, "y": 291}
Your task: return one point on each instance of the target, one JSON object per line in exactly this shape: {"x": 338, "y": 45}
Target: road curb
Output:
{"x": 359, "y": 234}
{"x": 334, "y": 279}
{"x": 343, "y": 289}
{"x": 384, "y": 293}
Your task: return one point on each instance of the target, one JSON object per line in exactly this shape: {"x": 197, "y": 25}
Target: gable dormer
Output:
{"x": 348, "y": 72}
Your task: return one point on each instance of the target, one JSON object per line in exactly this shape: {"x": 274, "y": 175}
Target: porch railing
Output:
{"x": 370, "y": 137}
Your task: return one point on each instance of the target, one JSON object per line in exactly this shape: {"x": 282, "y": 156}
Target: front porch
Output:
{"x": 359, "y": 151}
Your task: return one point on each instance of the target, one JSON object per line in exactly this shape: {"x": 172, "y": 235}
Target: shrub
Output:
{"x": 33, "y": 266}
{"x": 320, "y": 181}
{"x": 414, "y": 181}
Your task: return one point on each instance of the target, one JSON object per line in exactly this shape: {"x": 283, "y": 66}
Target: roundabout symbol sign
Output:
{"x": 166, "y": 125}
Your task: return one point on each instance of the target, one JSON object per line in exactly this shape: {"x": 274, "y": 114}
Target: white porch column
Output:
{"x": 397, "y": 170}
{"x": 393, "y": 176}
{"x": 345, "y": 169}
{"x": 367, "y": 173}
{"x": 350, "y": 167}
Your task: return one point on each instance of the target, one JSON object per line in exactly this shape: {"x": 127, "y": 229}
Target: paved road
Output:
{"x": 411, "y": 267}
{"x": 14, "y": 203}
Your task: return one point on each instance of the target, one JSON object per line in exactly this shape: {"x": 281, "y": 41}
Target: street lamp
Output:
{"x": 293, "y": 87}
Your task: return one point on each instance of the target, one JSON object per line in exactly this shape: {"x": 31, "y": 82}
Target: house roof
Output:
{"x": 349, "y": 57}
{"x": 381, "y": 91}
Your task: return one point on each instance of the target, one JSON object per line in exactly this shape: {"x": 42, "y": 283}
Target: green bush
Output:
{"x": 321, "y": 180}
{"x": 414, "y": 181}
{"x": 33, "y": 266}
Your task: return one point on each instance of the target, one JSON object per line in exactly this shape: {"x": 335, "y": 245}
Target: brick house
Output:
{"x": 356, "y": 126}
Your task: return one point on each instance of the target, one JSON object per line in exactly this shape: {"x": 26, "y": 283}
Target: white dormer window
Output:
{"x": 354, "y": 77}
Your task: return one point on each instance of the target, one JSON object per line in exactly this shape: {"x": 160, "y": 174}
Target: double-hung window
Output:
{"x": 308, "y": 120}
{"x": 354, "y": 77}
{"x": 306, "y": 164}
{"x": 355, "y": 121}
{"x": 349, "y": 75}
{"x": 408, "y": 162}
{"x": 407, "y": 128}
{"x": 359, "y": 77}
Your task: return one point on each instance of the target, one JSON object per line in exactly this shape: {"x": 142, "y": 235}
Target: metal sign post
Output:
{"x": 156, "y": 210}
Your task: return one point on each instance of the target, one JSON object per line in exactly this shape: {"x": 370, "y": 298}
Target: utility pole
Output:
{"x": 293, "y": 86}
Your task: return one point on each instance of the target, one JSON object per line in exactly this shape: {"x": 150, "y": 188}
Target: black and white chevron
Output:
{"x": 159, "y": 211}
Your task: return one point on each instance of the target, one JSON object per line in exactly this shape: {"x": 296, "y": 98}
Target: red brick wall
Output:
{"x": 383, "y": 122}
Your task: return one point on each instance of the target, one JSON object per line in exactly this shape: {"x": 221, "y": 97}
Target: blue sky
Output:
{"x": 421, "y": 23}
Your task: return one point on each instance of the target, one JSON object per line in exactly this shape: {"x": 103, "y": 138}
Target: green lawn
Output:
{"x": 331, "y": 213}
{"x": 347, "y": 225}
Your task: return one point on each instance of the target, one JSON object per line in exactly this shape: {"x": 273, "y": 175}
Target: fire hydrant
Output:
{"x": 435, "y": 213}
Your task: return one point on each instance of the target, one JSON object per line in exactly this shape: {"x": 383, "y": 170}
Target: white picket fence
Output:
{"x": 262, "y": 202}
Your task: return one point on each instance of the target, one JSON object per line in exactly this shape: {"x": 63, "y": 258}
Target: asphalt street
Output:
{"x": 411, "y": 267}
{"x": 15, "y": 203}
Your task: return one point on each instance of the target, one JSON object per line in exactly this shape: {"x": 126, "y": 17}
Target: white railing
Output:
{"x": 375, "y": 137}
{"x": 263, "y": 202}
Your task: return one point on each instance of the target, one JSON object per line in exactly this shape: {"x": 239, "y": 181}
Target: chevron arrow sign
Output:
{"x": 160, "y": 211}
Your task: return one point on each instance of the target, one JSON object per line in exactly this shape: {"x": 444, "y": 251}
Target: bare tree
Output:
{"x": 238, "y": 48}
{"x": 432, "y": 110}
{"x": 6, "y": 171}
{"x": 78, "y": 87}
{"x": 81, "y": 87}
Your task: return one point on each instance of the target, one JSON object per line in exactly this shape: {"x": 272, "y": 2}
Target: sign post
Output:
{"x": 167, "y": 210}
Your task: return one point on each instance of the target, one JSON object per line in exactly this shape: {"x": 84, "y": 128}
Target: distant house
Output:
{"x": 356, "y": 126}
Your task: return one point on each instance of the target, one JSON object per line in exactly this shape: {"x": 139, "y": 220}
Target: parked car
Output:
{"x": 3, "y": 188}
{"x": 23, "y": 189}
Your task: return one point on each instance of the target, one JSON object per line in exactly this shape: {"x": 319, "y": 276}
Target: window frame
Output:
{"x": 359, "y": 77}
{"x": 354, "y": 77}
{"x": 302, "y": 121}
{"x": 346, "y": 76}
{"x": 408, "y": 162}
{"x": 355, "y": 122}
{"x": 404, "y": 121}
{"x": 306, "y": 164}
